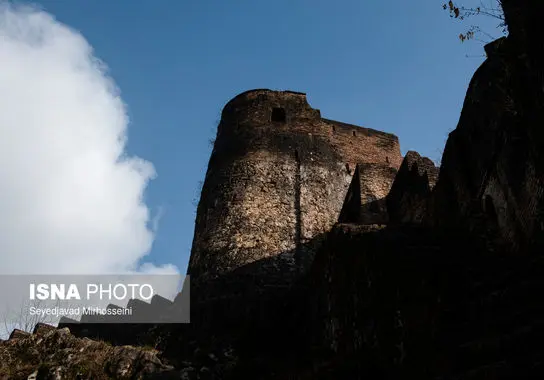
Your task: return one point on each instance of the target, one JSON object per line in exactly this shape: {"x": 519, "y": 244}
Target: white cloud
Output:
{"x": 71, "y": 200}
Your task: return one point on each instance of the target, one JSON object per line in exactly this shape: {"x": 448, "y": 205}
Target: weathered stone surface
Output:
{"x": 43, "y": 328}
{"x": 403, "y": 302}
{"x": 410, "y": 193}
{"x": 365, "y": 199}
{"x": 17, "y": 334}
{"x": 59, "y": 355}
{"x": 274, "y": 184}
{"x": 377, "y": 291}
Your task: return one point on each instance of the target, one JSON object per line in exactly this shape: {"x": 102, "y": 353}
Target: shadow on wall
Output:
{"x": 374, "y": 211}
{"x": 363, "y": 207}
{"x": 237, "y": 303}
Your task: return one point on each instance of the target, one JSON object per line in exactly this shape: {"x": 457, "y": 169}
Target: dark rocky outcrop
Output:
{"x": 492, "y": 168}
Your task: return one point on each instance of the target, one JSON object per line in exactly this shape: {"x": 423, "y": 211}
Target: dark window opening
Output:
{"x": 354, "y": 134}
{"x": 278, "y": 115}
{"x": 489, "y": 207}
{"x": 386, "y": 159}
{"x": 348, "y": 169}
{"x": 333, "y": 128}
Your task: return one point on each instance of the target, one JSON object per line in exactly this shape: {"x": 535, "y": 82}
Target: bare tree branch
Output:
{"x": 22, "y": 319}
{"x": 493, "y": 9}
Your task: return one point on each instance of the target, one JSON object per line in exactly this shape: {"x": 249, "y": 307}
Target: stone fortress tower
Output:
{"x": 276, "y": 181}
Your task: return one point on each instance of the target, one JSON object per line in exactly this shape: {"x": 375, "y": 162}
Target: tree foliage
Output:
{"x": 489, "y": 8}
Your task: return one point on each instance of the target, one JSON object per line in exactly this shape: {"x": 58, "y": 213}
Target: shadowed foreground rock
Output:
{"x": 56, "y": 354}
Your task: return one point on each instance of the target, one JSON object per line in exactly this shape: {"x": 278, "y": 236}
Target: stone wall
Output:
{"x": 377, "y": 296}
{"x": 365, "y": 200}
{"x": 277, "y": 178}
{"x": 410, "y": 193}
{"x": 403, "y": 302}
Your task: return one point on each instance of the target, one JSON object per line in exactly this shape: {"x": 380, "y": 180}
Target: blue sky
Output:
{"x": 395, "y": 66}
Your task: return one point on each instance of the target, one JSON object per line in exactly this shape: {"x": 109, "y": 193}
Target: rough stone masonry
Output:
{"x": 276, "y": 181}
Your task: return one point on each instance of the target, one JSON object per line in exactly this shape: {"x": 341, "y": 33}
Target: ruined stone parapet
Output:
{"x": 18, "y": 334}
{"x": 365, "y": 200}
{"x": 410, "y": 193}
{"x": 276, "y": 181}
{"x": 42, "y": 328}
{"x": 159, "y": 310}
